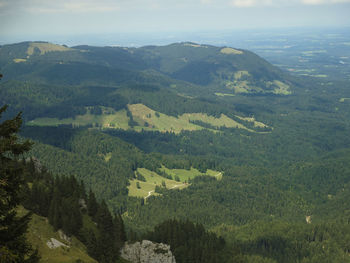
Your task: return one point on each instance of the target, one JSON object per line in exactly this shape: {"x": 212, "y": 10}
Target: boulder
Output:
{"x": 147, "y": 252}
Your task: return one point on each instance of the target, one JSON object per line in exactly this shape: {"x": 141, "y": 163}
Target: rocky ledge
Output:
{"x": 147, "y": 252}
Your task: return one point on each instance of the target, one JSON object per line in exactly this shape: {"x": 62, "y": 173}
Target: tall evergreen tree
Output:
{"x": 92, "y": 204}
{"x": 13, "y": 244}
{"x": 106, "y": 239}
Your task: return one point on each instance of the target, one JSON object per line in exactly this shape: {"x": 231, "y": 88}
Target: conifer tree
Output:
{"x": 54, "y": 211}
{"x": 106, "y": 238}
{"x": 13, "y": 244}
{"x": 92, "y": 204}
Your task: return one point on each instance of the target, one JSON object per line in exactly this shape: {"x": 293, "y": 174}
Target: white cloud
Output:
{"x": 70, "y": 6}
{"x": 243, "y": 3}
{"x": 206, "y": 2}
{"x": 313, "y": 2}
{"x": 323, "y": 2}
{"x": 84, "y": 7}
{"x": 254, "y": 3}
{"x": 279, "y": 3}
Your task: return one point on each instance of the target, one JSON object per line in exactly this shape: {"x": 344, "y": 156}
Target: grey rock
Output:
{"x": 147, "y": 252}
{"x": 54, "y": 243}
{"x": 64, "y": 236}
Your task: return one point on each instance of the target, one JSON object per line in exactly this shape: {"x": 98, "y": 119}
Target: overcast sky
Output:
{"x": 40, "y": 18}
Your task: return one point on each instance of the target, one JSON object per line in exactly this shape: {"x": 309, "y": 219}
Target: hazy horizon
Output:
{"x": 119, "y": 22}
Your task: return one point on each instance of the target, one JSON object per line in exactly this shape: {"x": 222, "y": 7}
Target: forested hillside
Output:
{"x": 256, "y": 159}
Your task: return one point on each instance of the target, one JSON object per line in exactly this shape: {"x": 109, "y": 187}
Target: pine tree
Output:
{"x": 92, "y": 204}
{"x": 120, "y": 235}
{"x": 106, "y": 237}
{"x": 54, "y": 211}
{"x": 13, "y": 244}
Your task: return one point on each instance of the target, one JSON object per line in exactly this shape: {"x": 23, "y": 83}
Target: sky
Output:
{"x": 40, "y": 19}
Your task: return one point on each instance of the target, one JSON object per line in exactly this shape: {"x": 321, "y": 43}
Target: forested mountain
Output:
{"x": 214, "y": 135}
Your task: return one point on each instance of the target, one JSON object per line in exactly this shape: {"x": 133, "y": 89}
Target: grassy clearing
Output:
{"x": 344, "y": 99}
{"x": 117, "y": 119}
{"x": 106, "y": 156}
{"x": 146, "y": 119}
{"x": 240, "y": 86}
{"x": 257, "y": 124}
{"x": 45, "y": 47}
{"x": 223, "y": 121}
{"x": 19, "y": 60}
{"x": 320, "y": 76}
{"x": 185, "y": 175}
{"x": 243, "y": 86}
{"x": 40, "y": 232}
{"x": 312, "y": 52}
{"x": 279, "y": 87}
{"x": 240, "y": 74}
{"x": 219, "y": 94}
{"x": 152, "y": 180}
{"x": 231, "y": 51}
{"x": 193, "y": 45}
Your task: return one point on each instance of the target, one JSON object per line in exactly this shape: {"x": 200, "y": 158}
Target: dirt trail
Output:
{"x": 149, "y": 194}
{"x": 178, "y": 185}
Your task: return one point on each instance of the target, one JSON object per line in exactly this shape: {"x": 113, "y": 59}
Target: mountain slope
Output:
{"x": 40, "y": 233}
{"x": 224, "y": 68}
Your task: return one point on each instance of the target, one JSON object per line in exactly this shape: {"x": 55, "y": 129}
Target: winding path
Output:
{"x": 178, "y": 185}
{"x": 217, "y": 175}
{"x": 149, "y": 194}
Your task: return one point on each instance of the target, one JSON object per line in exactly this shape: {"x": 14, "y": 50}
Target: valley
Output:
{"x": 213, "y": 139}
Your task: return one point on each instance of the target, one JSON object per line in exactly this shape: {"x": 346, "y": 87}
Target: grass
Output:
{"x": 185, "y": 175}
{"x": 239, "y": 86}
{"x": 244, "y": 86}
{"x": 280, "y": 87}
{"x": 146, "y": 118}
{"x": 45, "y": 47}
{"x": 153, "y": 179}
{"x": 40, "y": 231}
{"x": 223, "y": 121}
{"x": 192, "y": 45}
{"x": 219, "y": 94}
{"x": 241, "y": 73}
{"x": 229, "y": 51}
{"x": 320, "y": 76}
{"x": 252, "y": 119}
{"x": 118, "y": 119}
{"x": 142, "y": 114}
{"x": 107, "y": 157}
{"x": 19, "y": 60}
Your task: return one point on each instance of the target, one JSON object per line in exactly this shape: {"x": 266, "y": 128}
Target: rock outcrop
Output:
{"x": 147, "y": 252}
{"x": 54, "y": 243}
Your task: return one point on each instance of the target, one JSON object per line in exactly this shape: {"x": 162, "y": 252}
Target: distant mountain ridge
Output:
{"x": 220, "y": 68}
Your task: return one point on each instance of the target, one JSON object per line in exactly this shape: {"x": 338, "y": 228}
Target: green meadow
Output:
{"x": 146, "y": 119}
{"x": 145, "y": 189}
